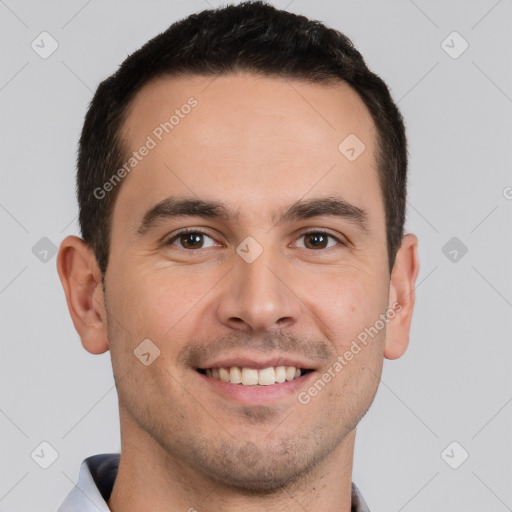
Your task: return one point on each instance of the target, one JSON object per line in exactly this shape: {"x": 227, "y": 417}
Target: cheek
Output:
{"x": 352, "y": 309}
{"x": 158, "y": 304}
{"x": 146, "y": 306}
{"x": 349, "y": 302}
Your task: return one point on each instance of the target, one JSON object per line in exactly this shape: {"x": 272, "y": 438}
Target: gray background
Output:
{"x": 453, "y": 383}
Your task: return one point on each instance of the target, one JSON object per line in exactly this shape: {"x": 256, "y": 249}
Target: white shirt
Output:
{"x": 96, "y": 480}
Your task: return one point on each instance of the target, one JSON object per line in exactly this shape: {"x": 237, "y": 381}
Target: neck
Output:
{"x": 149, "y": 478}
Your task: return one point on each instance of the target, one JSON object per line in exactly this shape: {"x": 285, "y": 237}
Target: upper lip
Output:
{"x": 258, "y": 362}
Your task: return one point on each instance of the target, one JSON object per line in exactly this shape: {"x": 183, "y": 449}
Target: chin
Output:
{"x": 258, "y": 469}
{"x": 258, "y": 481}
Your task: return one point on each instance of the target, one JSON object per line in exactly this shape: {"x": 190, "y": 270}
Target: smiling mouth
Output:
{"x": 253, "y": 376}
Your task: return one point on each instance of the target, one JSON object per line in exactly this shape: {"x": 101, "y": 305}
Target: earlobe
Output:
{"x": 402, "y": 297}
{"x": 81, "y": 279}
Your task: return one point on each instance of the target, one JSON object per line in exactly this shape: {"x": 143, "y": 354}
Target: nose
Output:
{"x": 259, "y": 296}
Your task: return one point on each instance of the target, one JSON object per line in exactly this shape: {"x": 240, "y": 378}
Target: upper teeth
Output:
{"x": 252, "y": 376}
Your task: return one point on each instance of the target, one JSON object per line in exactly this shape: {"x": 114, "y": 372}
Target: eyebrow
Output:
{"x": 173, "y": 207}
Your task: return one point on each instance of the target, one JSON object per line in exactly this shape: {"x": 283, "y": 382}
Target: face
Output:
{"x": 275, "y": 275}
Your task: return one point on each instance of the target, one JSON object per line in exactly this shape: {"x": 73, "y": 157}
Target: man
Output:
{"x": 241, "y": 184}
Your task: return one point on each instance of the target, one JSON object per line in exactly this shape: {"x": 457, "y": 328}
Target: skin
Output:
{"x": 257, "y": 144}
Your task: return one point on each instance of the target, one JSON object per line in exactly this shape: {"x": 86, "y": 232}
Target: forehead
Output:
{"x": 326, "y": 112}
{"x": 251, "y": 140}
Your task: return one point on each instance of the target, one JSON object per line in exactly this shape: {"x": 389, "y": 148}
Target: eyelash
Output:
{"x": 198, "y": 231}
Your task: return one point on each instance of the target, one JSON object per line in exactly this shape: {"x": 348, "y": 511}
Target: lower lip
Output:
{"x": 254, "y": 395}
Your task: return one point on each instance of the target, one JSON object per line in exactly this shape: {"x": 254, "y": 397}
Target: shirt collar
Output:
{"x": 95, "y": 483}
{"x": 96, "y": 480}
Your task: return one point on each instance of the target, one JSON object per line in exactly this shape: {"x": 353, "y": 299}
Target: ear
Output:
{"x": 402, "y": 297}
{"x": 81, "y": 279}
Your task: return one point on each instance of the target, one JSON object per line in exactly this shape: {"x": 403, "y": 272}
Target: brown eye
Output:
{"x": 316, "y": 240}
{"x": 319, "y": 240}
{"x": 190, "y": 239}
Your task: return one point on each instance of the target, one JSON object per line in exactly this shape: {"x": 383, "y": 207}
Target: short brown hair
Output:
{"x": 251, "y": 36}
